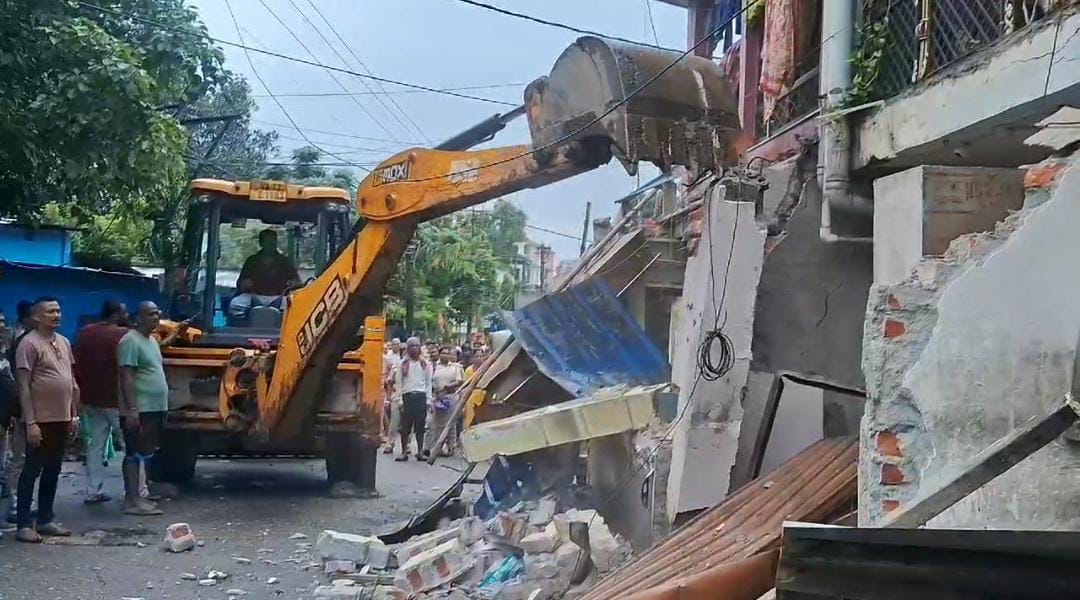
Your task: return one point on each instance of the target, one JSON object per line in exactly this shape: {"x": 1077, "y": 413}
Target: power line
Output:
{"x": 652, "y": 24}
{"x": 558, "y": 25}
{"x": 327, "y": 132}
{"x": 395, "y": 92}
{"x": 601, "y": 116}
{"x": 310, "y": 63}
{"x": 361, "y": 64}
{"x": 343, "y": 146}
{"x": 334, "y": 78}
{"x": 255, "y": 72}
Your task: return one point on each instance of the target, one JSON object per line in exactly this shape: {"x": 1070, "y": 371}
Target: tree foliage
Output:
{"x": 80, "y": 103}
{"x": 462, "y": 268}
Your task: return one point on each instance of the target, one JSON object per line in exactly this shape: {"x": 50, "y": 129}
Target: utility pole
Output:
{"x": 585, "y": 228}
{"x": 410, "y": 324}
{"x": 543, "y": 265}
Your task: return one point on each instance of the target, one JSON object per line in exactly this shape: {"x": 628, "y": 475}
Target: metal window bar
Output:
{"x": 925, "y": 36}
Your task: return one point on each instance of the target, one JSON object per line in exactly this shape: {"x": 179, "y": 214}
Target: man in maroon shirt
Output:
{"x": 98, "y": 379}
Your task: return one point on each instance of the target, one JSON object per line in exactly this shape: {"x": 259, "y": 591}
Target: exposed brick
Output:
{"x": 891, "y": 474}
{"x": 1043, "y": 175}
{"x": 890, "y": 505}
{"x": 894, "y": 328}
{"x": 889, "y": 445}
{"x": 893, "y": 302}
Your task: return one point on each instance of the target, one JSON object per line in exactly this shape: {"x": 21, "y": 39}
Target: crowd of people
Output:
{"x": 109, "y": 386}
{"x": 110, "y": 383}
{"x": 421, "y": 383}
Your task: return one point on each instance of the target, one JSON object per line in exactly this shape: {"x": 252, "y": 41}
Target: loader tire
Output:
{"x": 349, "y": 457}
{"x": 174, "y": 462}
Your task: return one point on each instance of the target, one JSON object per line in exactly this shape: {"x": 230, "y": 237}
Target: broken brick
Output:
{"x": 891, "y": 474}
{"x": 890, "y": 505}
{"x": 893, "y": 302}
{"x": 1043, "y": 175}
{"x": 894, "y": 328}
{"x": 889, "y": 444}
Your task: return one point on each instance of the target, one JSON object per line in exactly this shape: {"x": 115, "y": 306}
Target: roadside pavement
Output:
{"x": 246, "y": 513}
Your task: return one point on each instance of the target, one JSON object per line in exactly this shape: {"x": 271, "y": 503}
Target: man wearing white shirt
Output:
{"x": 391, "y": 404}
{"x": 412, "y": 385}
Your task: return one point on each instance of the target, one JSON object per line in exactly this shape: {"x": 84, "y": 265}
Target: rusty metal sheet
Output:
{"x": 584, "y": 339}
{"x": 812, "y": 486}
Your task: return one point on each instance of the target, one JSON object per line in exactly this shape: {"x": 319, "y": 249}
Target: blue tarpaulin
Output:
{"x": 584, "y": 339}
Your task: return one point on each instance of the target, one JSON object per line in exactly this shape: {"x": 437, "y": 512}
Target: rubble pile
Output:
{"x": 528, "y": 552}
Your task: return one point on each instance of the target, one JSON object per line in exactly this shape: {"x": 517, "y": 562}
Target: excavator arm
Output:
{"x": 602, "y": 99}
{"x": 322, "y": 318}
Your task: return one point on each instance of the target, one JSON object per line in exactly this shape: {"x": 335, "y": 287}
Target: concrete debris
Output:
{"x": 434, "y": 568}
{"x": 521, "y": 553}
{"x": 334, "y": 545}
{"x": 335, "y": 567}
{"x": 541, "y": 541}
{"x": 297, "y": 536}
{"x": 273, "y": 581}
{"x": 207, "y": 582}
{"x": 189, "y": 576}
{"x": 242, "y": 560}
{"x": 179, "y": 537}
{"x": 235, "y": 592}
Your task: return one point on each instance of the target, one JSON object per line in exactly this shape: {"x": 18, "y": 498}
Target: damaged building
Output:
{"x": 880, "y": 288}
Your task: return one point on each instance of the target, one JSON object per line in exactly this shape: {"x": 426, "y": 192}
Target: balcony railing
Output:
{"x": 916, "y": 38}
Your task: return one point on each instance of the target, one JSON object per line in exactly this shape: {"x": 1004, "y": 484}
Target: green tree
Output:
{"x": 81, "y": 102}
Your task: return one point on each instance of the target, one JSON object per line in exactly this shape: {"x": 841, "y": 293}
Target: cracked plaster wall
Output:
{"x": 706, "y": 437}
{"x": 970, "y": 345}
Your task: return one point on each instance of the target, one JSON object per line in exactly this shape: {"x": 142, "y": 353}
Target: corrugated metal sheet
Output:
{"x": 810, "y": 487}
{"x": 584, "y": 339}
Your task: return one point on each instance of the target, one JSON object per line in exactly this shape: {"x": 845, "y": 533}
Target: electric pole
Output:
{"x": 410, "y": 324}
{"x": 585, "y": 228}
{"x": 543, "y": 265}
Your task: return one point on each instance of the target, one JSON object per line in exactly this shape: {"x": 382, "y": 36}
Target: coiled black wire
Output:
{"x": 712, "y": 368}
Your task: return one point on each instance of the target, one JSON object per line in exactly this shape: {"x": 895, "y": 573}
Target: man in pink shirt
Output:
{"x": 49, "y": 396}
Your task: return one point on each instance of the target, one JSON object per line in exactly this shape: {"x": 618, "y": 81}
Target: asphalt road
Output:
{"x": 237, "y": 508}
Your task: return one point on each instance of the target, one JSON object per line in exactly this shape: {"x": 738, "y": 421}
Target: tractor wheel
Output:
{"x": 175, "y": 461}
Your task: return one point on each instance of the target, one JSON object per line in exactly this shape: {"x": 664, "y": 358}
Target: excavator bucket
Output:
{"x": 687, "y": 116}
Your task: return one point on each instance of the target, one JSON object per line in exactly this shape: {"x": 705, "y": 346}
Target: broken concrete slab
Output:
{"x": 339, "y": 566}
{"x": 179, "y": 537}
{"x": 610, "y": 410}
{"x": 335, "y": 545}
{"x": 433, "y": 568}
{"x": 540, "y": 542}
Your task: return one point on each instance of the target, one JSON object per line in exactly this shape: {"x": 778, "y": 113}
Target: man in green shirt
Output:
{"x": 145, "y": 393}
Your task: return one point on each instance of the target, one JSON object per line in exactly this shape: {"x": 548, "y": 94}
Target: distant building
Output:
{"x": 537, "y": 270}
{"x": 44, "y": 245}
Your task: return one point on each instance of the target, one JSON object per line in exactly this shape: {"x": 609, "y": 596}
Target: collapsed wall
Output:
{"x": 968, "y": 346}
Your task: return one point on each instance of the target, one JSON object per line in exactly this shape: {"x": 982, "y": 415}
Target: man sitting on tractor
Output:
{"x": 265, "y": 276}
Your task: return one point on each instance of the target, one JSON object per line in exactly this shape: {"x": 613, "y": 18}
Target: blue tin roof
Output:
{"x": 584, "y": 339}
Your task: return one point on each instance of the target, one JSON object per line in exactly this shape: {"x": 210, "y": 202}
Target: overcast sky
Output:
{"x": 439, "y": 44}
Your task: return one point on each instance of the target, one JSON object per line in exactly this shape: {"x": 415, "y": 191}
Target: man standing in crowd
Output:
{"x": 24, "y": 324}
{"x": 9, "y": 399}
{"x": 412, "y": 385}
{"x": 145, "y": 398}
{"x": 391, "y": 407}
{"x": 97, "y": 374}
{"x": 446, "y": 380}
{"x": 49, "y": 396}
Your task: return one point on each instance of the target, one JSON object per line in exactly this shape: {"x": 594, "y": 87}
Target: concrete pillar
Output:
{"x": 920, "y": 211}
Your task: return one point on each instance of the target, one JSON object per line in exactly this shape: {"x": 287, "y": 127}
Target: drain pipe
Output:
{"x": 837, "y": 34}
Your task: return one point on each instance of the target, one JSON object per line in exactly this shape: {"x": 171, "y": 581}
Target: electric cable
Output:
{"x": 296, "y": 37}
{"x": 255, "y": 72}
{"x": 328, "y": 132}
{"x": 652, "y": 24}
{"x": 363, "y": 67}
{"x": 492, "y": 86}
{"x": 294, "y": 59}
{"x": 558, "y": 25}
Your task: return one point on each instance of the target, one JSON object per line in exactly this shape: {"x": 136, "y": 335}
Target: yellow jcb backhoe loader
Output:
{"x": 287, "y": 382}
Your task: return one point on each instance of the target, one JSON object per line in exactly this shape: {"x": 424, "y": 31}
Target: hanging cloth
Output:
{"x": 778, "y": 52}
